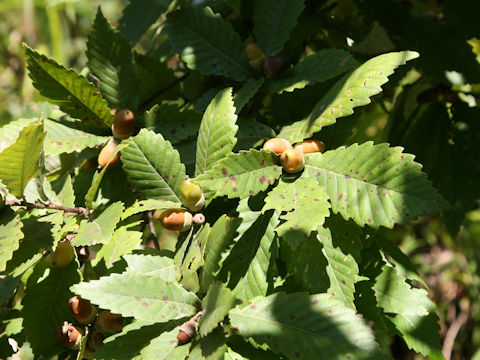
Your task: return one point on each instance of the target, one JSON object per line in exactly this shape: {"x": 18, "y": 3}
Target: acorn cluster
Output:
{"x": 269, "y": 65}
{"x": 122, "y": 128}
{"x": 291, "y": 157}
{"x": 100, "y": 324}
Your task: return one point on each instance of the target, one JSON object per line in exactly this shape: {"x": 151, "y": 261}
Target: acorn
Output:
{"x": 95, "y": 340}
{"x": 188, "y": 329}
{"x": 176, "y": 219}
{"x": 108, "y": 322}
{"x": 82, "y": 309}
{"x": 277, "y": 145}
{"x": 311, "y": 146}
{"x": 191, "y": 195}
{"x": 123, "y": 124}
{"x": 292, "y": 160}
{"x": 69, "y": 335}
{"x": 63, "y": 255}
{"x": 107, "y": 152}
{"x": 255, "y": 56}
{"x": 275, "y": 65}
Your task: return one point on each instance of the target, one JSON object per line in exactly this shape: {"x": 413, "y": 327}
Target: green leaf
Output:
{"x": 110, "y": 60}
{"x": 19, "y": 162}
{"x": 342, "y": 269}
{"x": 410, "y": 309}
{"x": 173, "y": 124}
{"x": 207, "y": 43}
{"x": 216, "y": 304}
{"x": 8, "y": 285}
{"x": 60, "y": 191}
{"x": 306, "y": 326}
{"x": 319, "y": 67}
{"x": 352, "y": 90}
{"x": 148, "y": 205}
{"x": 63, "y": 139}
{"x": 100, "y": 229}
{"x": 10, "y": 235}
{"x": 273, "y": 21}
{"x": 251, "y": 133}
{"x": 67, "y": 89}
{"x": 143, "y": 296}
{"x": 165, "y": 347}
{"x": 9, "y": 133}
{"x": 246, "y": 92}
{"x": 153, "y": 265}
{"x": 216, "y": 137}
{"x": 241, "y": 175}
{"x": 153, "y": 166}
{"x": 45, "y": 307}
{"x": 307, "y": 207}
{"x": 373, "y": 184}
{"x": 139, "y": 15}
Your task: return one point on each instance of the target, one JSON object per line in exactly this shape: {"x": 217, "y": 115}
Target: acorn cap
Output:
{"x": 123, "y": 124}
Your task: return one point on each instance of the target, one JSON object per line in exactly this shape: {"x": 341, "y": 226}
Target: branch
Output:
{"x": 452, "y": 333}
{"x": 75, "y": 210}
{"x": 151, "y": 227}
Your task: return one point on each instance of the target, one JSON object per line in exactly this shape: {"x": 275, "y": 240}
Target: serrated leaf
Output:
{"x": 321, "y": 66}
{"x": 342, "y": 269}
{"x": 154, "y": 265}
{"x": 123, "y": 241}
{"x": 139, "y": 15}
{"x": 273, "y": 21}
{"x": 207, "y": 43}
{"x": 63, "y": 139}
{"x": 67, "y": 89}
{"x": 9, "y": 133}
{"x": 110, "y": 60}
{"x": 352, "y": 90}
{"x": 143, "y": 296}
{"x": 410, "y": 309}
{"x": 373, "y": 184}
{"x": 148, "y": 205}
{"x": 306, "y": 204}
{"x": 216, "y": 304}
{"x": 165, "y": 347}
{"x": 19, "y": 162}
{"x": 216, "y": 137}
{"x": 60, "y": 191}
{"x": 251, "y": 134}
{"x": 241, "y": 175}
{"x": 173, "y": 124}
{"x": 10, "y": 235}
{"x": 8, "y": 285}
{"x": 306, "y": 326}
{"x": 45, "y": 307}
{"x": 100, "y": 229}
{"x": 153, "y": 166}
{"x": 246, "y": 92}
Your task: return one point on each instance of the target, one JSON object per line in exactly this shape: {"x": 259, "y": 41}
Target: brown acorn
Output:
{"x": 275, "y": 65}
{"x": 82, "y": 309}
{"x": 108, "y": 322}
{"x": 106, "y": 153}
{"x": 69, "y": 335}
{"x": 311, "y": 146}
{"x": 95, "y": 340}
{"x": 123, "y": 124}
{"x": 188, "y": 329}
{"x": 176, "y": 219}
{"x": 277, "y": 145}
{"x": 292, "y": 160}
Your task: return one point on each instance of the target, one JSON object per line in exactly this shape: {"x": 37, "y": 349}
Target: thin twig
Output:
{"x": 74, "y": 210}
{"x": 452, "y": 333}
{"x": 165, "y": 89}
{"x": 151, "y": 227}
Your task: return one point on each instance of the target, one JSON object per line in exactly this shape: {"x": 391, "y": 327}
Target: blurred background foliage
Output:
{"x": 432, "y": 110}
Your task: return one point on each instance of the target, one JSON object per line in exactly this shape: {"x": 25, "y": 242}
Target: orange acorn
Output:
{"x": 311, "y": 146}
{"x": 123, "y": 124}
{"x": 82, "y": 309}
{"x": 69, "y": 335}
{"x": 277, "y": 145}
{"x": 292, "y": 160}
{"x": 176, "y": 219}
{"x": 106, "y": 153}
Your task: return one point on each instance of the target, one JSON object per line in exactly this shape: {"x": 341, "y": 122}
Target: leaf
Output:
{"x": 152, "y": 265}
{"x": 19, "y": 162}
{"x": 241, "y": 175}
{"x": 8, "y": 285}
{"x": 63, "y": 139}
{"x": 148, "y": 205}
{"x": 207, "y": 43}
{"x": 321, "y": 66}
{"x": 410, "y": 309}
{"x": 216, "y": 137}
{"x": 251, "y": 133}
{"x": 110, "y": 60}
{"x": 342, "y": 269}
{"x": 139, "y": 15}
{"x": 45, "y": 307}
{"x": 246, "y": 92}
{"x": 143, "y": 296}
{"x": 352, "y": 90}
{"x": 273, "y": 21}
{"x": 165, "y": 347}
{"x": 153, "y": 167}
{"x": 373, "y": 184}
{"x": 10, "y": 235}
{"x": 306, "y": 326}
{"x": 10, "y": 132}
{"x": 173, "y": 124}
{"x": 100, "y": 229}
{"x": 60, "y": 191}
{"x": 216, "y": 304}
{"x": 67, "y": 89}
{"x": 307, "y": 207}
